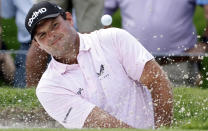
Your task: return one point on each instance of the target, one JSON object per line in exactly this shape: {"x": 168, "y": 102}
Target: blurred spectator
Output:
{"x": 18, "y": 9}
{"x": 65, "y": 4}
{"x": 86, "y": 13}
{"x": 163, "y": 27}
{"x": 7, "y": 67}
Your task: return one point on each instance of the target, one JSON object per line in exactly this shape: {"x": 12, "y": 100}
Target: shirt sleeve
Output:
{"x": 68, "y": 109}
{"x": 132, "y": 54}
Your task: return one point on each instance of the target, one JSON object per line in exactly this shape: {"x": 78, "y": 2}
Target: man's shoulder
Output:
{"x": 107, "y": 35}
{"x": 105, "y": 38}
{"x": 105, "y": 32}
{"x": 108, "y": 31}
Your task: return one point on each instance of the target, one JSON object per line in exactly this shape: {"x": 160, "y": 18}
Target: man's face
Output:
{"x": 56, "y": 36}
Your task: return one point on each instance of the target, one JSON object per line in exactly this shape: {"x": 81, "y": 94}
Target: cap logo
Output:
{"x": 35, "y": 15}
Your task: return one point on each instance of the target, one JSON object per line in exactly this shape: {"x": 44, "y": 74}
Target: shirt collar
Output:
{"x": 84, "y": 46}
{"x": 84, "y": 42}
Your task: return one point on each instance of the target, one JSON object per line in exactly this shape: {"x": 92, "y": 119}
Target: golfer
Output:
{"x": 105, "y": 79}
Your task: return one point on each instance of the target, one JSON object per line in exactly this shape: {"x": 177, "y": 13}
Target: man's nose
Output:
{"x": 51, "y": 34}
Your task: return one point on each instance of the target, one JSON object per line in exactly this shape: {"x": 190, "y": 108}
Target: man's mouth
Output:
{"x": 56, "y": 40}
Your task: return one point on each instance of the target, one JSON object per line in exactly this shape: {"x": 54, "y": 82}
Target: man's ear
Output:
{"x": 69, "y": 18}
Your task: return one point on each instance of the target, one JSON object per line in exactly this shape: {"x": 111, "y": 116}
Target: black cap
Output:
{"x": 40, "y": 11}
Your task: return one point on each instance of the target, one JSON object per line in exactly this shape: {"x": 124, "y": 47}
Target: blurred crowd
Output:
{"x": 163, "y": 27}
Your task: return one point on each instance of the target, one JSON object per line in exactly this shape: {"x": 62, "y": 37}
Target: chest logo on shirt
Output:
{"x": 101, "y": 70}
{"x": 102, "y": 74}
{"x": 80, "y": 91}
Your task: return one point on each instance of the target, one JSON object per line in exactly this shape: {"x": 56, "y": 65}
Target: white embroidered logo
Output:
{"x": 35, "y": 15}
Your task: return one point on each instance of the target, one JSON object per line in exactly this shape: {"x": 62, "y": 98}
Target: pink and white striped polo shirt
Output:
{"x": 110, "y": 63}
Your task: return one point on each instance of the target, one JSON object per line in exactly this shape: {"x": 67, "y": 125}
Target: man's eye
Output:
{"x": 55, "y": 25}
{"x": 42, "y": 35}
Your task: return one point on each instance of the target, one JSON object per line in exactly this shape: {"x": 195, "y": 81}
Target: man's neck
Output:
{"x": 67, "y": 61}
{"x": 70, "y": 58}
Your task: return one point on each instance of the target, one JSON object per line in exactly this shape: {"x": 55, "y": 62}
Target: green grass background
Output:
{"x": 117, "y": 129}
{"x": 190, "y": 105}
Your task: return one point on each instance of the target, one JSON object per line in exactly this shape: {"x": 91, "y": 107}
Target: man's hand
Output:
{"x": 101, "y": 119}
{"x": 156, "y": 80}
{"x": 7, "y": 66}
{"x": 36, "y": 64}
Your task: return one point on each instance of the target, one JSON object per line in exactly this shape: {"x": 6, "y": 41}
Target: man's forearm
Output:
{"x": 101, "y": 119}
{"x": 156, "y": 80}
{"x": 36, "y": 64}
{"x": 162, "y": 97}
{"x": 162, "y": 103}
